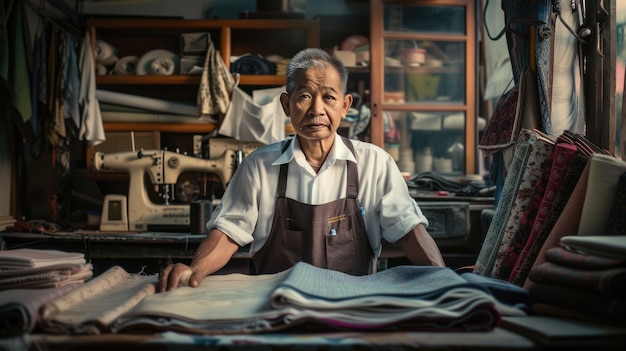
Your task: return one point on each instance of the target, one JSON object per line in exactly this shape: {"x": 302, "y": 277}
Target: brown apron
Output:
{"x": 330, "y": 235}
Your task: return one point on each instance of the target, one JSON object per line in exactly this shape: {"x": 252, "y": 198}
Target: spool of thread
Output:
{"x": 199, "y": 214}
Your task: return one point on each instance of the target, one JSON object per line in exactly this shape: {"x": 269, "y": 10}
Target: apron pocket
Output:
{"x": 342, "y": 253}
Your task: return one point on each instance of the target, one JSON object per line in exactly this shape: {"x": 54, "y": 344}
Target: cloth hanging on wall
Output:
{"x": 529, "y": 37}
{"x": 567, "y": 113}
{"x": 216, "y": 84}
{"x": 516, "y": 110}
{"x": 251, "y": 121}
{"x": 17, "y": 74}
{"x": 92, "y": 126}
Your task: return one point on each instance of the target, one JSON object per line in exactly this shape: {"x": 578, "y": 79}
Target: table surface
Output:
{"x": 514, "y": 333}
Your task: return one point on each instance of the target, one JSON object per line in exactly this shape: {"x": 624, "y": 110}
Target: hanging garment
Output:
{"x": 245, "y": 120}
{"x": 71, "y": 89}
{"x": 330, "y": 235}
{"x": 565, "y": 82}
{"x": 529, "y": 38}
{"x": 516, "y": 110}
{"x": 18, "y": 75}
{"x": 91, "y": 125}
{"x": 216, "y": 84}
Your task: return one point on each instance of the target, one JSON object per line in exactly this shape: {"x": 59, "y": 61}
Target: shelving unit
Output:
{"x": 441, "y": 85}
{"x": 230, "y": 37}
{"x": 136, "y": 37}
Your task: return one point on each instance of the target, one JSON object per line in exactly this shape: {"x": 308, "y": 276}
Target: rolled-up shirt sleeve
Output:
{"x": 399, "y": 213}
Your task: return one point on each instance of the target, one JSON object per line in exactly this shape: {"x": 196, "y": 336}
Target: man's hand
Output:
{"x": 179, "y": 274}
{"x": 212, "y": 254}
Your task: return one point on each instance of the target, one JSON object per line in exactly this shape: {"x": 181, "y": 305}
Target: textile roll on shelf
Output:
{"x": 146, "y": 103}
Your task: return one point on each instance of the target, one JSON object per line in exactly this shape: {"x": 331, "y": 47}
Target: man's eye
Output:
{"x": 329, "y": 97}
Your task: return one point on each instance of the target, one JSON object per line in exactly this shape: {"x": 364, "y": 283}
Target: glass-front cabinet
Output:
{"x": 423, "y": 92}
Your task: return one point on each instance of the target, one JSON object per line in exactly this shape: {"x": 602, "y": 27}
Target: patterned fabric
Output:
{"x": 533, "y": 246}
{"x": 543, "y": 56}
{"x": 568, "y": 221}
{"x": 216, "y": 84}
{"x": 560, "y": 162}
{"x": 505, "y": 256}
{"x": 616, "y": 225}
{"x": 484, "y": 261}
{"x": 499, "y": 131}
{"x": 511, "y": 252}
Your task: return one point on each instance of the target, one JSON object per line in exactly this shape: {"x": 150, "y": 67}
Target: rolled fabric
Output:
{"x": 146, "y": 103}
{"x": 158, "y": 62}
{"x": 164, "y": 66}
{"x": 19, "y": 308}
{"x": 106, "y": 54}
{"x": 101, "y": 69}
{"x": 127, "y": 65}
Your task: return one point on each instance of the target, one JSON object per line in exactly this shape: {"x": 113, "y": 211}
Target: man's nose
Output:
{"x": 317, "y": 106}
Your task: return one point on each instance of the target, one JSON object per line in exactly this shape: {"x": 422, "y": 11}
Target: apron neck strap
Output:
{"x": 353, "y": 173}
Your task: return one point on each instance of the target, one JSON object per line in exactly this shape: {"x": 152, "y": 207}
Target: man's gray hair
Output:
{"x": 314, "y": 57}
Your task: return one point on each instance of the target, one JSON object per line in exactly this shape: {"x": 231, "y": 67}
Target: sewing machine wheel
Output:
{"x": 188, "y": 190}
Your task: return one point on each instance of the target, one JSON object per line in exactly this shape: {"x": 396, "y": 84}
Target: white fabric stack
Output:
{"x": 35, "y": 269}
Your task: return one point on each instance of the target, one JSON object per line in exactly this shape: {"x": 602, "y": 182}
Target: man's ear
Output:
{"x": 284, "y": 102}
{"x": 347, "y": 103}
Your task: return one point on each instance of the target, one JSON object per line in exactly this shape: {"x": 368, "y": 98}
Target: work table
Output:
{"x": 514, "y": 333}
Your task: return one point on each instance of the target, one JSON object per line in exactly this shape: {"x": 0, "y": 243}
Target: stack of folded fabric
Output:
{"x": 31, "y": 278}
{"x": 280, "y": 62}
{"x": 584, "y": 277}
{"x": 31, "y": 268}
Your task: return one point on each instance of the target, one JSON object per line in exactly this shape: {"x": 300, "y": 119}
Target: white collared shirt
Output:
{"x": 247, "y": 208}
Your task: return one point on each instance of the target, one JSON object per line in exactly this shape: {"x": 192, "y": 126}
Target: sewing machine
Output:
{"x": 163, "y": 168}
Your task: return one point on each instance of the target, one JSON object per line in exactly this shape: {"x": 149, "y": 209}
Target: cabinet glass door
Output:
{"x": 426, "y": 89}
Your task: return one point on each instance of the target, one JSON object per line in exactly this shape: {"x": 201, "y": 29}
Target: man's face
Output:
{"x": 317, "y": 103}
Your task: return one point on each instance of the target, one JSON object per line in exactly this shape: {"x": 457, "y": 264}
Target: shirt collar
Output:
{"x": 339, "y": 151}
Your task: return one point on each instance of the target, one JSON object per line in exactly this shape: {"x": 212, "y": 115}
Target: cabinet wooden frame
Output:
{"x": 377, "y": 42}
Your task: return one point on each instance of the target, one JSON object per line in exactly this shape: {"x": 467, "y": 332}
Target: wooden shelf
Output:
{"x": 182, "y": 80}
{"x": 160, "y": 127}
